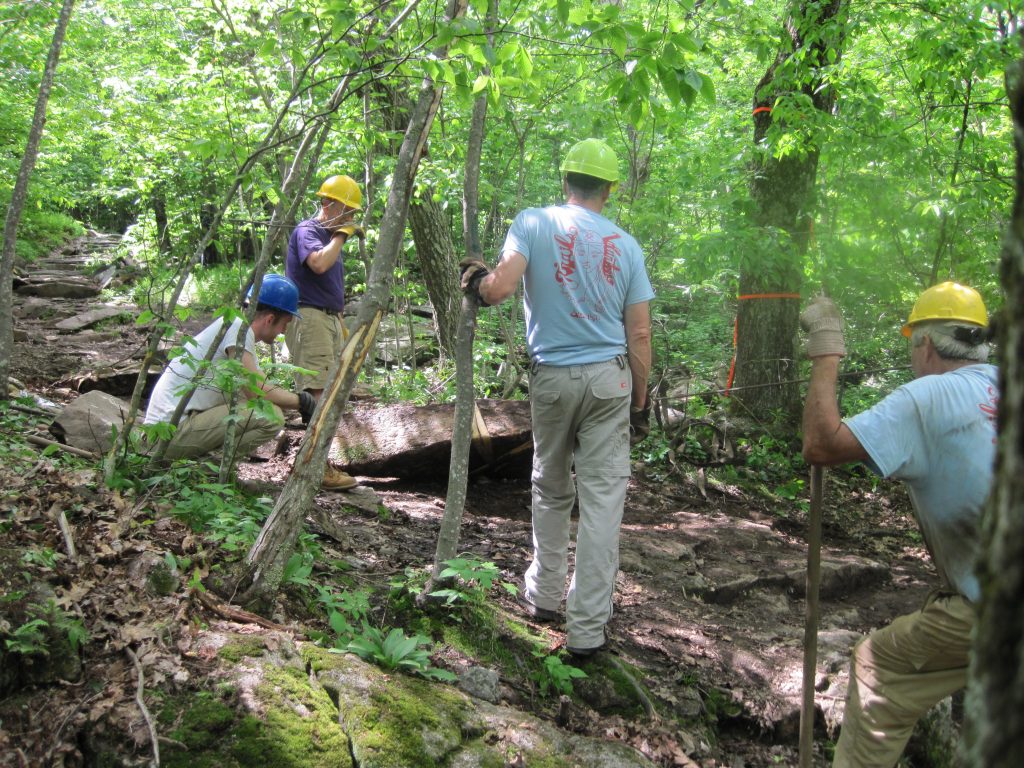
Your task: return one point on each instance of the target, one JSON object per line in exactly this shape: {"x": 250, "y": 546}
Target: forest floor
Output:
{"x": 709, "y": 597}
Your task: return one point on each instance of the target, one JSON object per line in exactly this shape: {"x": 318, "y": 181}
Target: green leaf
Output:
{"x": 707, "y": 89}
{"x": 562, "y": 11}
{"x": 480, "y": 83}
{"x": 669, "y": 83}
{"x": 617, "y": 40}
{"x": 693, "y": 80}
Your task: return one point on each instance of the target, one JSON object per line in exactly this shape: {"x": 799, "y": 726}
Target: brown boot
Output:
{"x": 336, "y": 480}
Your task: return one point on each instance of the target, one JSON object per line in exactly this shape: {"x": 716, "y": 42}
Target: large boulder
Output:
{"x": 88, "y": 422}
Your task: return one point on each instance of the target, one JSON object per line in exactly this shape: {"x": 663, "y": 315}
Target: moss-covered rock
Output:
{"x": 396, "y": 721}
{"x": 272, "y": 715}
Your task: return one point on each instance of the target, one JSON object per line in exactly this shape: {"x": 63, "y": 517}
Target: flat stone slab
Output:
{"x": 90, "y": 318}
{"x": 59, "y": 288}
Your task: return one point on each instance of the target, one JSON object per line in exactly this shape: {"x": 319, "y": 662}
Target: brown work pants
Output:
{"x": 897, "y": 674}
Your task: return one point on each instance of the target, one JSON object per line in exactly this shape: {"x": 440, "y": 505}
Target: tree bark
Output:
{"x": 994, "y": 732}
{"x": 20, "y": 192}
{"x": 435, "y": 252}
{"x": 782, "y": 189}
{"x": 266, "y": 559}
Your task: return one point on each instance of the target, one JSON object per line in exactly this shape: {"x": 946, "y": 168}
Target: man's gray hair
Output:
{"x": 943, "y": 336}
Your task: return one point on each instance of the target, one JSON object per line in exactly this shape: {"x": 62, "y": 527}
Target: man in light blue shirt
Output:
{"x": 588, "y": 331}
{"x": 937, "y": 434}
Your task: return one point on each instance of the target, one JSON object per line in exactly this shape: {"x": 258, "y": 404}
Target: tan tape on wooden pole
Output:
{"x": 811, "y": 618}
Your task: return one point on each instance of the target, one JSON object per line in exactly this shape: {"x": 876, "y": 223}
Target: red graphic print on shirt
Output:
{"x": 586, "y": 270}
{"x": 991, "y": 408}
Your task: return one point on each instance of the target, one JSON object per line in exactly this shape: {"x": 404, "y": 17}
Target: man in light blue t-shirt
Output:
{"x": 588, "y": 332}
{"x": 937, "y": 434}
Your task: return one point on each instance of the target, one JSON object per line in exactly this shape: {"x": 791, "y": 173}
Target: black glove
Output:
{"x": 639, "y": 423}
{"x": 307, "y": 404}
{"x": 472, "y": 272}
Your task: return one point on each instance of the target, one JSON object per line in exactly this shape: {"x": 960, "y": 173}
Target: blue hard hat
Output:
{"x": 279, "y": 292}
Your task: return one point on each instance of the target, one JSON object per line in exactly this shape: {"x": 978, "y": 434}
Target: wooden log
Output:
{"x": 414, "y": 442}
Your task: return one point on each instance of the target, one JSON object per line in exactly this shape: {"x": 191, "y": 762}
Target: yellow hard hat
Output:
{"x": 343, "y": 189}
{"x": 948, "y": 301}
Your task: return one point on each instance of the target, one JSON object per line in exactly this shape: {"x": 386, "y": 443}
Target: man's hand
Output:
{"x": 352, "y": 229}
{"x": 307, "y": 404}
{"x": 824, "y": 326}
{"x": 639, "y": 423}
{"x": 473, "y": 271}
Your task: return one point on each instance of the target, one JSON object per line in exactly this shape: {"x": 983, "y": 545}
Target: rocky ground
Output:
{"x": 709, "y": 601}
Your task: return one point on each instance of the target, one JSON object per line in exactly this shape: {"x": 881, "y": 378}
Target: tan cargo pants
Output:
{"x": 897, "y": 674}
{"x": 202, "y": 432}
{"x": 315, "y": 342}
{"x": 580, "y": 416}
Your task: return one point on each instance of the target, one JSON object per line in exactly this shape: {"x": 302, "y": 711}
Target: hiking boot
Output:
{"x": 535, "y": 612}
{"x": 581, "y": 654}
{"x": 336, "y": 480}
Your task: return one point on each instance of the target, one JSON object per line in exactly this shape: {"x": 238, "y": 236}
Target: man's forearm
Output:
{"x": 322, "y": 260}
{"x": 638, "y": 349}
{"x": 821, "y": 409}
{"x": 639, "y": 369}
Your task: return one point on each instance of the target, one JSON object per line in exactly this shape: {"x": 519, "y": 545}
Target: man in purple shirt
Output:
{"x": 314, "y": 262}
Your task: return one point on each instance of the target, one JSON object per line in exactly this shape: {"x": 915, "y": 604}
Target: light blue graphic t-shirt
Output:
{"x": 938, "y": 435}
{"x": 582, "y": 272}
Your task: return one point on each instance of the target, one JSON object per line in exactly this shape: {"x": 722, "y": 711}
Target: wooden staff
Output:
{"x": 811, "y": 619}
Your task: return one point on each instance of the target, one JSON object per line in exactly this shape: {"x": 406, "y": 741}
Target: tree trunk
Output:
{"x": 994, "y": 734}
{"x": 436, "y": 255}
{"x": 266, "y": 559}
{"x": 20, "y": 192}
{"x": 415, "y": 442}
{"x": 465, "y": 405}
{"x": 159, "y": 202}
{"x": 782, "y": 189}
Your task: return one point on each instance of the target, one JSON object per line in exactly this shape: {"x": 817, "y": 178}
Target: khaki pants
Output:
{"x": 202, "y": 432}
{"x": 315, "y": 341}
{"x": 897, "y": 674}
{"x": 580, "y": 415}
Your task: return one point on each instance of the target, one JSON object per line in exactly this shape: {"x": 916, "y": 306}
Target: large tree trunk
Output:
{"x": 432, "y": 234}
{"x": 994, "y": 736}
{"x": 266, "y": 559}
{"x": 782, "y": 189}
{"x": 20, "y": 192}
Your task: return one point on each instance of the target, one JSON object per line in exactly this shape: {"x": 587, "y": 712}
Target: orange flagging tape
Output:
{"x": 762, "y": 109}
{"x": 768, "y": 296}
{"x": 736, "y": 321}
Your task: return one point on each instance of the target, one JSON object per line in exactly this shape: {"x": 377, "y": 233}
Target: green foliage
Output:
{"x": 40, "y": 232}
{"x": 396, "y": 651}
{"x": 34, "y": 636}
{"x": 346, "y": 611}
{"x": 554, "y": 675}
{"x": 473, "y": 579}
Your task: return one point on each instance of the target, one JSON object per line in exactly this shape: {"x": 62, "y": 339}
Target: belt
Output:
{"x": 325, "y": 310}
{"x": 619, "y": 360}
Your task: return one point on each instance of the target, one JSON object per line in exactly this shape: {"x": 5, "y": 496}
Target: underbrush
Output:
{"x": 41, "y": 231}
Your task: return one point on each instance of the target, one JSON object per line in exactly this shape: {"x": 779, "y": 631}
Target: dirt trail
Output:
{"x": 709, "y": 595}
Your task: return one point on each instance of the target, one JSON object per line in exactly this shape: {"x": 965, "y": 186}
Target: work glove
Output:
{"x": 473, "y": 271}
{"x": 307, "y": 404}
{"x": 639, "y": 423}
{"x": 352, "y": 229}
{"x": 824, "y": 326}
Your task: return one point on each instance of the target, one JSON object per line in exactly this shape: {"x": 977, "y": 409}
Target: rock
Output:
{"x": 841, "y": 576}
{"x": 481, "y": 683}
{"x": 59, "y": 288}
{"x": 395, "y": 720}
{"x": 87, "y": 420}
{"x": 93, "y": 316}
